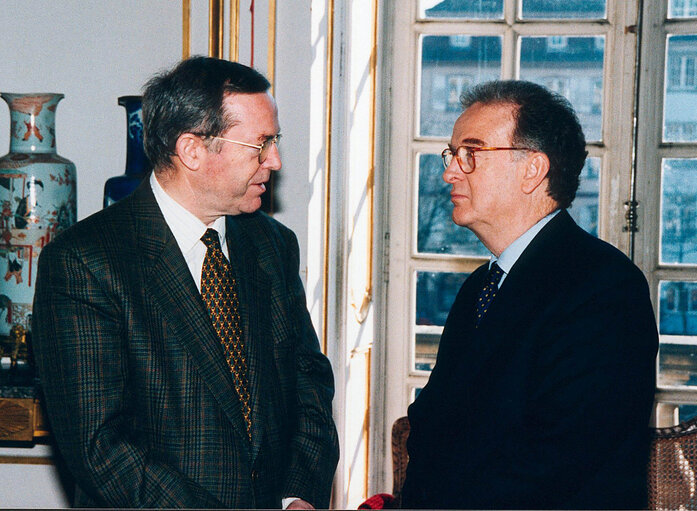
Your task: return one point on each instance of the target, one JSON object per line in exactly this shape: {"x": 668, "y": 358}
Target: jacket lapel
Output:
{"x": 254, "y": 292}
{"x": 518, "y": 298}
{"x": 460, "y": 325}
{"x": 173, "y": 289}
{"x": 459, "y": 340}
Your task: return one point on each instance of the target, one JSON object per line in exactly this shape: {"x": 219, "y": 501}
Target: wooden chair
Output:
{"x": 672, "y": 466}
{"x": 400, "y": 459}
{"x": 400, "y": 456}
{"x": 672, "y": 471}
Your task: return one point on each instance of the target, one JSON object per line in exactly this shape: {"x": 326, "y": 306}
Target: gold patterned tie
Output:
{"x": 219, "y": 292}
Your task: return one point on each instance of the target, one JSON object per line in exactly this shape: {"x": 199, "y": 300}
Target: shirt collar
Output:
{"x": 185, "y": 226}
{"x": 509, "y": 256}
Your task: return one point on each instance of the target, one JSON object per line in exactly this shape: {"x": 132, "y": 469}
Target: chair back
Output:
{"x": 672, "y": 465}
{"x": 400, "y": 456}
{"x": 671, "y": 475}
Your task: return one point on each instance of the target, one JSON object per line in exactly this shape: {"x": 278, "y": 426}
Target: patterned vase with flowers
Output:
{"x": 38, "y": 198}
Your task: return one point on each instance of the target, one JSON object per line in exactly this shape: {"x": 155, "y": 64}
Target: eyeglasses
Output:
{"x": 263, "y": 148}
{"x": 466, "y": 153}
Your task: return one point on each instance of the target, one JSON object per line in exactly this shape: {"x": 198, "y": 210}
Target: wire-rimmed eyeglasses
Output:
{"x": 464, "y": 155}
{"x": 263, "y": 148}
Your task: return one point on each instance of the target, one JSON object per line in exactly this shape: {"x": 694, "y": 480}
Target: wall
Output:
{"x": 95, "y": 52}
{"x": 294, "y": 57}
{"x": 92, "y": 52}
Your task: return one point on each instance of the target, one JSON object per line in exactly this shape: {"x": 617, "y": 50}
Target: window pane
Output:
{"x": 682, "y": 9}
{"x": 567, "y": 9}
{"x": 415, "y": 391}
{"x": 449, "y": 65}
{"x": 573, "y": 67}
{"x": 680, "y": 114}
{"x": 436, "y": 231}
{"x": 677, "y": 324}
{"x": 679, "y": 211}
{"x": 461, "y": 9}
{"x": 435, "y": 294}
{"x": 686, "y": 412}
{"x": 585, "y": 206}
{"x": 426, "y": 349}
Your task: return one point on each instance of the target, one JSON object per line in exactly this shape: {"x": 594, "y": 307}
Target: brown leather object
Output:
{"x": 400, "y": 456}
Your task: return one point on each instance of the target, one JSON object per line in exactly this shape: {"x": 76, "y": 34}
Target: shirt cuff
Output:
{"x": 287, "y": 501}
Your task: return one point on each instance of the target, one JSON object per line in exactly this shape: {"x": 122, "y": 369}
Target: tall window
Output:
{"x": 638, "y": 189}
{"x": 667, "y": 179}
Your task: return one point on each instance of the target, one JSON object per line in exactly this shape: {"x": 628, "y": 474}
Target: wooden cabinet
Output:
{"x": 21, "y": 416}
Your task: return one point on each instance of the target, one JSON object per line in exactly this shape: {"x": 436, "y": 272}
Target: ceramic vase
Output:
{"x": 137, "y": 164}
{"x": 38, "y": 198}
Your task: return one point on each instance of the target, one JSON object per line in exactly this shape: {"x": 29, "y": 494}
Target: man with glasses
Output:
{"x": 543, "y": 386}
{"x": 177, "y": 358}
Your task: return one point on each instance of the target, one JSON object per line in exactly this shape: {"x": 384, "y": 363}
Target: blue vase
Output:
{"x": 137, "y": 164}
{"x": 38, "y": 199}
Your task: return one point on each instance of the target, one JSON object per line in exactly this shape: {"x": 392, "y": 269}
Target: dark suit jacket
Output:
{"x": 139, "y": 396}
{"x": 547, "y": 403}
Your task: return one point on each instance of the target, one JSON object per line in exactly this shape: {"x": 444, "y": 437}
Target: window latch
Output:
{"x": 630, "y": 216}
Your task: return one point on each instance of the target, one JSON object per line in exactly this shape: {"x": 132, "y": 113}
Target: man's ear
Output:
{"x": 535, "y": 172}
{"x": 190, "y": 149}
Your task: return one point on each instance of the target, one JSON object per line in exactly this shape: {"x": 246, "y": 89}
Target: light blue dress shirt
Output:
{"x": 513, "y": 251}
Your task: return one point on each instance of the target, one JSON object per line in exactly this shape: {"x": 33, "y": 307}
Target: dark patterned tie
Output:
{"x": 219, "y": 292}
{"x": 491, "y": 285}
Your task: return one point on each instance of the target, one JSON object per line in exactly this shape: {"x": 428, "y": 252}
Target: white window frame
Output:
{"x": 656, "y": 28}
{"x": 402, "y": 82}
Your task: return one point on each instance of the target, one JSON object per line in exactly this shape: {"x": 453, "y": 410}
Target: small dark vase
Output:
{"x": 137, "y": 164}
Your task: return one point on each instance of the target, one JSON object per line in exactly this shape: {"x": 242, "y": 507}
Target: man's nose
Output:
{"x": 452, "y": 172}
{"x": 273, "y": 158}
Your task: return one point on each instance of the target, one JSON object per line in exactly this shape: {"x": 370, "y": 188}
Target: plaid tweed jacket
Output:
{"x": 140, "y": 399}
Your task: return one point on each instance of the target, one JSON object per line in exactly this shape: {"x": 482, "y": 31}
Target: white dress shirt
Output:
{"x": 187, "y": 230}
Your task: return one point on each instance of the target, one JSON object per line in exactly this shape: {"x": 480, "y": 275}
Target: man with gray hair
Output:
{"x": 174, "y": 347}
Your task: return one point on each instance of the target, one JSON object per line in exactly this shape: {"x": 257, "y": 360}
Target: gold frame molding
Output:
{"x": 327, "y": 172}
{"x": 271, "y": 49}
{"x": 186, "y": 29}
{"x": 367, "y": 352}
{"x": 360, "y": 310}
{"x": 215, "y": 28}
{"x": 216, "y": 32}
{"x": 235, "y": 30}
